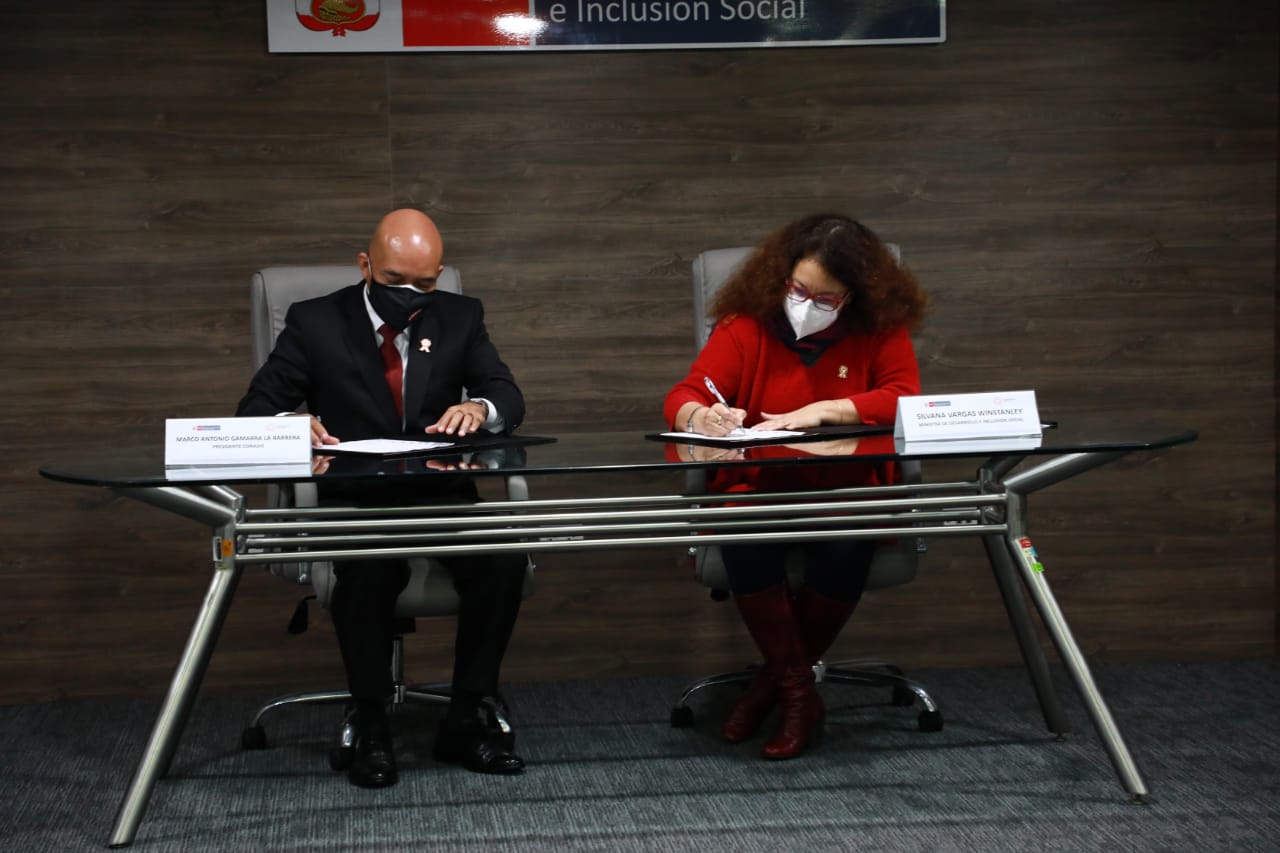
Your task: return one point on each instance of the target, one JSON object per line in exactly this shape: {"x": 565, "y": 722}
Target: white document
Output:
{"x": 953, "y": 417}
{"x": 236, "y": 441}
{"x": 740, "y": 434}
{"x": 384, "y": 446}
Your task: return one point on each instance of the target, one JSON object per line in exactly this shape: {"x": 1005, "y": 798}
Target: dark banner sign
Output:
{"x": 358, "y": 26}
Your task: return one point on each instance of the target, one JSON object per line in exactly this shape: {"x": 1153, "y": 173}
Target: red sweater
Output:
{"x": 757, "y": 372}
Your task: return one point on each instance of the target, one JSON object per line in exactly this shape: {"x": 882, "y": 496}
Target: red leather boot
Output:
{"x": 752, "y": 707}
{"x": 800, "y": 713}
{"x": 821, "y": 619}
{"x": 771, "y": 620}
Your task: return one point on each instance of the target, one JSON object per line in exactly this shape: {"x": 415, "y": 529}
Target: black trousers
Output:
{"x": 837, "y": 568}
{"x": 490, "y": 588}
{"x": 363, "y": 606}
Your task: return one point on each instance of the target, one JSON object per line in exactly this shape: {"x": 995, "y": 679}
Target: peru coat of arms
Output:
{"x": 337, "y": 15}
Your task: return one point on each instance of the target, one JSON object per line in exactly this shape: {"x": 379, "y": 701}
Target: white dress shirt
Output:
{"x": 493, "y": 422}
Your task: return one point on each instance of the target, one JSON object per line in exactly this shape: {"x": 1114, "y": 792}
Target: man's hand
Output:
{"x": 461, "y": 419}
{"x": 319, "y": 437}
{"x": 439, "y": 465}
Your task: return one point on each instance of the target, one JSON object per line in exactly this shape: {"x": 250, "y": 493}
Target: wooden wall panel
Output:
{"x": 1088, "y": 193}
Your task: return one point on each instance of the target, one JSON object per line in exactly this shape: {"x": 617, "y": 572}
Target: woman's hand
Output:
{"x": 835, "y": 447}
{"x": 715, "y": 420}
{"x": 698, "y": 453}
{"x": 812, "y": 415}
{"x": 718, "y": 419}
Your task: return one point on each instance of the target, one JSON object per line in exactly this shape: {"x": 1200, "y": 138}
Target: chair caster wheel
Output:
{"x": 930, "y": 721}
{"x": 254, "y": 737}
{"x": 902, "y": 696}
{"x": 340, "y": 757}
{"x": 682, "y": 717}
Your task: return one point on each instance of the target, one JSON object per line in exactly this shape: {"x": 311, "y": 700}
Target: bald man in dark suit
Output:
{"x": 391, "y": 356}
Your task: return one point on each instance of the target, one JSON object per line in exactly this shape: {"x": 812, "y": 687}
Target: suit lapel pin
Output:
{"x": 424, "y": 345}
{"x": 843, "y": 372}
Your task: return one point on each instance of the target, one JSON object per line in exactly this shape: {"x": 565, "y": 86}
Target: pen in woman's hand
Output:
{"x": 711, "y": 386}
{"x": 715, "y": 392}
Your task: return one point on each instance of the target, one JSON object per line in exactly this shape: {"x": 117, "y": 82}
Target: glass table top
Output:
{"x": 609, "y": 452}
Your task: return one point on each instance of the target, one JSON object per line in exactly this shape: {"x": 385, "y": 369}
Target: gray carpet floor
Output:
{"x": 608, "y": 773}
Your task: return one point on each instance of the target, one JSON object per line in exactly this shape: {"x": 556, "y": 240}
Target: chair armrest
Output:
{"x": 913, "y": 474}
{"x": 306, "y": 494}
{"x": 517, "y": 488}
{"x": 292, "y": 495}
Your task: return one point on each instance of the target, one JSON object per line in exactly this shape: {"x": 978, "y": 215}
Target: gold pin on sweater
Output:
{"x": 843, "y": 372}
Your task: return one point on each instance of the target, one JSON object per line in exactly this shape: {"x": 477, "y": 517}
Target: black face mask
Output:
{"x": 397, "y": 304}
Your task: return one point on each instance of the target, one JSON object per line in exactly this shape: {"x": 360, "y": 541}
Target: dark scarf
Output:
{"x": 811, "y": 348}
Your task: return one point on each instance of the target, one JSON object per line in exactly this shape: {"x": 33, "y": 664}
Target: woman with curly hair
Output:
{"x": 812, "y": 329}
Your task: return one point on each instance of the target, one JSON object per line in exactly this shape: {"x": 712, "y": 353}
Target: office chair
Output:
{"x": 430, "y": 590}
{"x": 892, "y": 565}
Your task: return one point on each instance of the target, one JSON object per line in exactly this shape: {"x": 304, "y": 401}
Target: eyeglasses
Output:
{"x": 797, "y": 292}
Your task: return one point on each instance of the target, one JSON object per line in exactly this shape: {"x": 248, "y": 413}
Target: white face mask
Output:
{"x": 806, "y": 318}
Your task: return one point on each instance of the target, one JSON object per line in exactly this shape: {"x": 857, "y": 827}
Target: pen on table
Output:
{"x": 711, "y": 386}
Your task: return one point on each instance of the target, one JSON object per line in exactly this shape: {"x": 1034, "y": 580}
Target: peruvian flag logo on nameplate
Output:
{"x": 337, "y": 15}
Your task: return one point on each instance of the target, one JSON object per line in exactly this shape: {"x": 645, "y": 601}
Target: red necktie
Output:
{"x": 392, "y": 366}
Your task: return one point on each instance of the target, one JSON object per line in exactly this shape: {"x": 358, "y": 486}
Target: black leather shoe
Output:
{"x": 476, "y": 748}
{"x": 374, "y": 762}
{"x": 495, "y": 716}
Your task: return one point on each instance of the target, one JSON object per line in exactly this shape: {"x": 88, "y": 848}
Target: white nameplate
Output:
{"x": 1005, "y": 444}
{"x": 959, "y": 417}
{"x": 225, "y": 473}
{"x": 236, "y": 441}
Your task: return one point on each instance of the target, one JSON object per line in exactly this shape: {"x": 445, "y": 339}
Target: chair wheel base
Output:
{"x": 902, "y": 696}
{"x": 682, "y": 717}
{"x": 253, "y": 737}
{"x": 930, "y": 721}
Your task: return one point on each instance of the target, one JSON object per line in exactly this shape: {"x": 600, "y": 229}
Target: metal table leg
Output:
{"x": 1024, "y": 557}
{"x": 1015, "y": 606}
{"x": 177, "y": 703}
{"x": 1033, "y": 575}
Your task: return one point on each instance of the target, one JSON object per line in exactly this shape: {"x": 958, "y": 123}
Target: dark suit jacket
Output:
{"x": 327, "y": 357}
